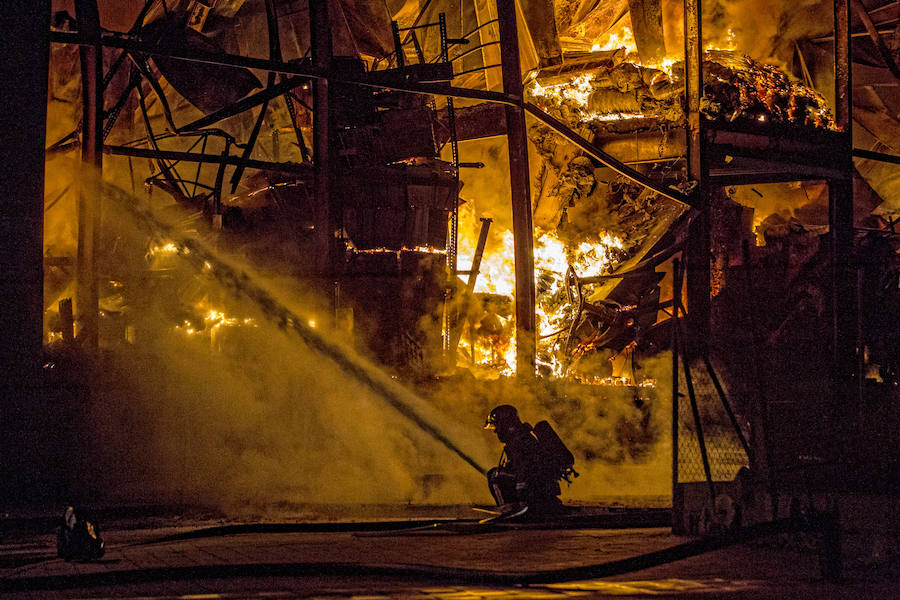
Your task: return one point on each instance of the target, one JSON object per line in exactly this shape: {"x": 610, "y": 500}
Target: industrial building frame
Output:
{"x": 710, "y": 147}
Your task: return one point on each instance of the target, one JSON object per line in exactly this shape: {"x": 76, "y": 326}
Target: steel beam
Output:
{"x": 698, "y": 243}
{"x": 678, "y": 527}
{"x": 844, "y": 300}
{"x": 879, "y": 156}
{"x": 886, "y": 53}
{"x": 86, "y": 290}
{"x": 646, "y": 22}
{"x": 842, "y": 65}
{"x": 298, "y": 168}
{"x": 305, "y": 70}
{"x": 520, "y": 190}
{"x": 325, "y": 217}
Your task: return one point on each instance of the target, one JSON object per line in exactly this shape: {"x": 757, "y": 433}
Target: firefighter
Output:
{"x": 526, "y": 475}
{"x": 77, "y": 537}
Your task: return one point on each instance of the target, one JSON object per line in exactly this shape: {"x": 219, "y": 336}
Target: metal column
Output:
{"x": 320, "y": 40}
{"x": 698, "y": 245}
{"x": 844, "y": 303}
{"x": 24, "y": 57}
{"x": 86, "y": 291}
{"x": 678, "y": 524}
{"x": 523, "y": 230}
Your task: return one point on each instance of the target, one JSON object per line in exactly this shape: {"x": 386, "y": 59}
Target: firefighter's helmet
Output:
{"x": 502, "y": 417}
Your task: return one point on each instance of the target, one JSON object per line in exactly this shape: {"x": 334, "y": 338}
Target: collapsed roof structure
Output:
{"x": 521, "y": 186}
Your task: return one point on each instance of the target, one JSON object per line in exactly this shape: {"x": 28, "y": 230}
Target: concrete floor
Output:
{"x": 165, "y": 561}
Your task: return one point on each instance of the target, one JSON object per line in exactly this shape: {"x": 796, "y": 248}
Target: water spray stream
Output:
{"x": 239, "y": 283}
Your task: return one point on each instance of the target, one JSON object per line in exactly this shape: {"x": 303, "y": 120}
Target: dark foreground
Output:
{"x": 168, "y": 558}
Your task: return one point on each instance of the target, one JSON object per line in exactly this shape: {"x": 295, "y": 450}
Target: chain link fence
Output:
{"x": 724, "y": 449}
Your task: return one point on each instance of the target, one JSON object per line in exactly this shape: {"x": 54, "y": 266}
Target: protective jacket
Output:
{"x": 524, "y": 474}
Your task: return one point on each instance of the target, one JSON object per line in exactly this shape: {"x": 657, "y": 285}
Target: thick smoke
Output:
{"x": 236, "y": 412}
{"x": 205, "y": 399}
{"x": 763, "y": 29}
{"x": 619, "y": 435}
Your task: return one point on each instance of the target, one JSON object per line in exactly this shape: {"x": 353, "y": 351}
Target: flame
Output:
{"x": 552, "y": 258}
{"x": 577, "y": 90}
{"x": 624, "y": 39}
{"x": 728, "y": 43}
{"x": 666, "y": 65}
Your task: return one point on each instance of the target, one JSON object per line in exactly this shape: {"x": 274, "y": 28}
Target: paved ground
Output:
{"x": 166, "y": 562}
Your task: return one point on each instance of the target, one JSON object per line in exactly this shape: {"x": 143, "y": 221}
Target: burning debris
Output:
{"x": 738, "y": 87}
{"x": 735, "y": 87}
{"x": 608, "y": 96}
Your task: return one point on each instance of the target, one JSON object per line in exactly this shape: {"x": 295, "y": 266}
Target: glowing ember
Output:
{"x": 213, "y": 320}
{"x": 622, "y": 381}
{"x": 618, "y": 116}
{"x": 424, "y": 249}
{"x": 165, "y": 249}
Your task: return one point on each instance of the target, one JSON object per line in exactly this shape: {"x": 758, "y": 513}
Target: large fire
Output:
{"x": 622, "y": 88}
{"x": 552, "y": 259}
{"x": 734, "y": 87}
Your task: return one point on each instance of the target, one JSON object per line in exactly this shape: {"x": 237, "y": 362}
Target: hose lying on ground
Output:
{"x": 417, "y": 572}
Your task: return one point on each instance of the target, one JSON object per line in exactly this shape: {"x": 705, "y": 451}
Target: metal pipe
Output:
{"x": 476, "y": 48}
{"x": 677, "y": 500}
{"x": 274, "y": 55}
{"x": 872, "y": 155}
{"x": 251, "y": 142}
{"x": 422, "y": 26}
{"x": 251, "y": 101}
{"x": 289, "y": 167}
{"x": 485, "y": 24}
{"x": 467, "y": 71}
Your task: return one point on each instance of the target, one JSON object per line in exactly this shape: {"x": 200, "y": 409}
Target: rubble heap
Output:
{"x": 737, "y": 87}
